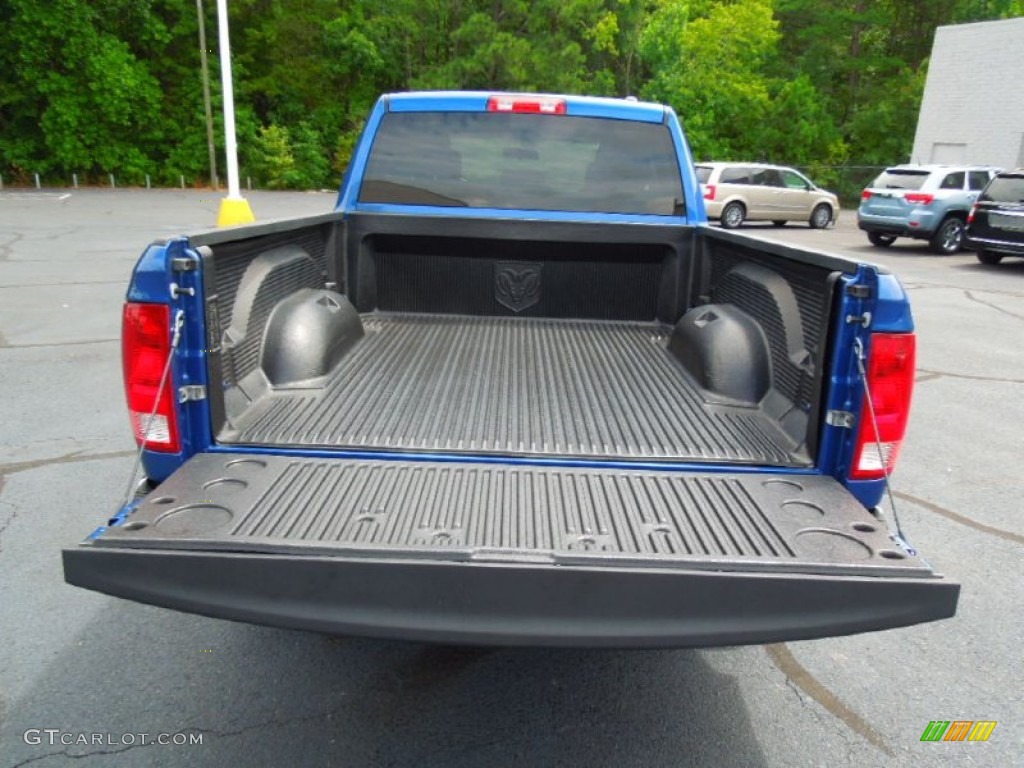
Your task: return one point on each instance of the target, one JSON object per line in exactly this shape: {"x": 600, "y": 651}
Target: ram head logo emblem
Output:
{"x": 517, "y": 284}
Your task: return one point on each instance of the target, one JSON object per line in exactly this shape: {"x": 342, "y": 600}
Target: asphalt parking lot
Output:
{"x": 86, "y": 664}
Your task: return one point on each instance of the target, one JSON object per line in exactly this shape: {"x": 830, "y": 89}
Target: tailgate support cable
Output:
{"x": 179, "y": 324}
{"x": 899, "y": 537}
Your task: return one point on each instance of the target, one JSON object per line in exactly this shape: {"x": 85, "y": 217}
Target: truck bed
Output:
{"x": 438, "y": 415}
{"x": 583, "y": 388}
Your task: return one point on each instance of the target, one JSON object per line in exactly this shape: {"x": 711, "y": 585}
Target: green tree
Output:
{"x": 96, "y": 86}
{"x": 273, "y": 160}
{"x": 712, "y": 70}
{"x": 284, "y": 158}
{"x": 85, "y": 100}
{"x": 800, "y": 129}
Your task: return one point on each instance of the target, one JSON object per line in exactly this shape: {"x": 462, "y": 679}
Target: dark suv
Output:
{"x": 927, "y": 202}
{"x": 995, "y": 226}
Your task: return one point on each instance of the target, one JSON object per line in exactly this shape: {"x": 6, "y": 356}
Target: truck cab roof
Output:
{"x": 478, "y": 101}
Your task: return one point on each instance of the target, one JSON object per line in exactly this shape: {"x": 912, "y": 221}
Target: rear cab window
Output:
{"x": 900, "y": 179}
{"x": 523, "y": 162}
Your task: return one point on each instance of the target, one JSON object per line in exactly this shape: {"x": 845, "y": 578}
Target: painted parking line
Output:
{"x": 34, "y": 196}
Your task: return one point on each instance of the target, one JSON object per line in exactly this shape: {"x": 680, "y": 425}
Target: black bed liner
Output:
{"x": 512, "y": 554}
{"x": 462, "y": 511}
{"x": 521, "y": 386}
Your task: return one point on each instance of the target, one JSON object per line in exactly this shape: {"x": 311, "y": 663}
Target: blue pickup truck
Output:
{"x": 514, "y": 390}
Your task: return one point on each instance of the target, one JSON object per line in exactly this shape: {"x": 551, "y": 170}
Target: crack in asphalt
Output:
{"x": 51, "y": 261}
{"x": 77, "y": 755}
{"x": 42, "y": 344}
{"x": 823, "y": 718}
{"x": 14, "y": 511}
{"x": 6, "y": 522}
{"x": 930, "y": 375}
{"x": 923, "y": 285}
{"x": 990, "y": 305}
{"x": 21, "y": 466}
{"x": 956, "y": 517}
{"x": 13, "y": 467}
{"x": 6, "y": 249}
{"x": 62, "y": 285}
{"x": 57, "y": 234}
{"x": 271, "y": 723}
{"x": 799, "y": 676}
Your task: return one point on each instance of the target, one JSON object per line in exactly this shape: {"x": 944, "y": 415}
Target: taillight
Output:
{"x": 919, "y": 198}
{"x": 865, "y": 195}
{"x": 145, "y": 347}
{"x": 544, "y": 105}
{"x": 709, "y": 191}
{"x": 970, "y": 216}
{"x": 890, "y": 374}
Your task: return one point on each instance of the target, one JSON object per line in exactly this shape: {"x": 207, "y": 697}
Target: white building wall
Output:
{"x": 973, "y": 105}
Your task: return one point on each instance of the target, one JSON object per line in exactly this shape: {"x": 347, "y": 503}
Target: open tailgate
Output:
{"x": 492, "y": 553}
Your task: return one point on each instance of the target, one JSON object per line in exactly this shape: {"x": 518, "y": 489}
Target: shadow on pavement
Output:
{"x": 270, "y": 697}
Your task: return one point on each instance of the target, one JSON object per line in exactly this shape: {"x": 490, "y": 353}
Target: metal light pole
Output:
{"x": 206, "y": 94}
{"x": 234, "y": 209}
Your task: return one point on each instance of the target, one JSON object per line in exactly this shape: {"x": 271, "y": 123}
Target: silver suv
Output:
{"x": 927, "y": 202}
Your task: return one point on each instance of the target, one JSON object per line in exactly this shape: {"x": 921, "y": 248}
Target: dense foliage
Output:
{"x": 114, "y": 86}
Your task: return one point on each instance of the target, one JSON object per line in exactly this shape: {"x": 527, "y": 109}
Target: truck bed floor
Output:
{"x": 535, "y": 387}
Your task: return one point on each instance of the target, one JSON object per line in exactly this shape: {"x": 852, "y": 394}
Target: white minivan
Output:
{"x": 738, "y": 192}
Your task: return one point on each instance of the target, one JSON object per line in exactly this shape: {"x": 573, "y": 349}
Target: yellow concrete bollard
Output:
{"x": 234, "y": 210}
